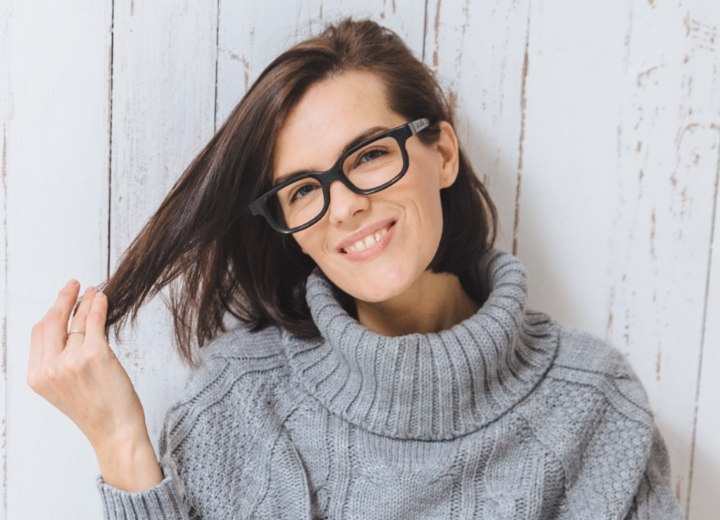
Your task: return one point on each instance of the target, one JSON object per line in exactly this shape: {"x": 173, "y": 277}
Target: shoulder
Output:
{"x": 590, "y": 377}
{"x": 238, "y": 368}
{"x": 586, "y": 360}
{"x": 218, "y": 437}
{"x": 241, "y": 378}
{"x": 241, "y": 343}
{"x": 591, "y": 413}
{"x": 582, "y": 350}
{"x": 235, "y": 354}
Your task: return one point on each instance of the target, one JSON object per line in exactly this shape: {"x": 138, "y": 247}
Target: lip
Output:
{"x": 359, "y": 256}
{"x": 362, "y": 233}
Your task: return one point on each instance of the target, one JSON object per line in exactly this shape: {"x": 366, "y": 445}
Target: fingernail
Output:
{"x": 71, "y": 282}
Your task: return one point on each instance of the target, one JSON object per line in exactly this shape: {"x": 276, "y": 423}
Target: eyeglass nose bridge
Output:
{"x": 335, "y": 173}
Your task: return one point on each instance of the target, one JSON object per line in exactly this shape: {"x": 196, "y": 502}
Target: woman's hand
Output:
{"x": 80, "y": 374}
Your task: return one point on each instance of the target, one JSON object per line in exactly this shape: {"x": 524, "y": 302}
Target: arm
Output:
{"x": 78, "y": 373}
{"x": 133, "y": 485}
{"x": 654, "y": 498}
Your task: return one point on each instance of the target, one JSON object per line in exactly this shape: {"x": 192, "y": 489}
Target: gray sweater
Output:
{"x": 506, "y": 415}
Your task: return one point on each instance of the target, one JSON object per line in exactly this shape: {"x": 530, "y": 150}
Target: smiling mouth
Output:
{"x": 369, "y": 241}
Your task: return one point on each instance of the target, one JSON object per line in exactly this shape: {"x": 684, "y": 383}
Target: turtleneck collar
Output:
{"x": 432, "y": 386}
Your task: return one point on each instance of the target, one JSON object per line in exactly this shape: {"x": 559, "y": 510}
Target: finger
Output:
{"x": 78, "y": 320}
{"x": 95, "y": 323}
{"x": 56, "y": 319}
{"x": 76, "y": 306}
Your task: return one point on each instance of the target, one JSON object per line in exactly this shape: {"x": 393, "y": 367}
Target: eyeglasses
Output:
{"x": 373, "y": 165}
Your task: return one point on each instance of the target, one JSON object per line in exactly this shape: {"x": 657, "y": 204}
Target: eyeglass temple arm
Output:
{"x": 419, "y": 124}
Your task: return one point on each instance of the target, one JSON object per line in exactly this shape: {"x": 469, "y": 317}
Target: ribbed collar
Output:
{"x": 430, "y": 386}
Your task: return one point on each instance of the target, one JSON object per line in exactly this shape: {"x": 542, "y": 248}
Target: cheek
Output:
{"x": 311, "y": 243}
{"x": 425, "y": 227}
{"x": 431, "y": 229}
{"x": 425, "y": 197}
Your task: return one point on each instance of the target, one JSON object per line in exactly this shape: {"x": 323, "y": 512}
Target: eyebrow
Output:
{"x": 354, "y": 142}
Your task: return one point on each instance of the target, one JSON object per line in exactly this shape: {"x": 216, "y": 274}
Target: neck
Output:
{"x": 433, "y": 386}
{"x": 435, "y": 302}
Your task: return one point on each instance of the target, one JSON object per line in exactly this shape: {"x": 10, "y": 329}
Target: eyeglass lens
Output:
{"x": 366, "y": 168}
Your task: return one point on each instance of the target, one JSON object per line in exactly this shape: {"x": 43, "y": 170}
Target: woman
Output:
{"x": 387, "y": 366}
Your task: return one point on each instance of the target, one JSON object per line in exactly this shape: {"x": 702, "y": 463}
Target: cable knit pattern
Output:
{"x": 506, "y": 415}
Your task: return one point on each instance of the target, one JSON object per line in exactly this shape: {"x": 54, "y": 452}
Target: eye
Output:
{"x": 302, "y": 191}
{"x": 370, "y": 155}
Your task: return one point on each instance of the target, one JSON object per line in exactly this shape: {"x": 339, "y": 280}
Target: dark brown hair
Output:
{"x": 216, "y": 258}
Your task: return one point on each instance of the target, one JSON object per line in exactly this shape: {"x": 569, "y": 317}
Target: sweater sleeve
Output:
{"x": 654, "y": 499}
{"x": 161, "y": 502}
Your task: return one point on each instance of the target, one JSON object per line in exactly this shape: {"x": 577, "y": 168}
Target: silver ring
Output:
{"x": 76, "y": 331}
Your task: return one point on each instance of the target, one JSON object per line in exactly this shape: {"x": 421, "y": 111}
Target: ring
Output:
{"x": 77, "y": 331}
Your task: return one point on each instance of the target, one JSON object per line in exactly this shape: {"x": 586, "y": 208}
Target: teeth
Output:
{"x": 368, "y": 241}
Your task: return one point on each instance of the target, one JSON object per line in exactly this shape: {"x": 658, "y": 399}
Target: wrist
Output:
{"x": 131, "y": 465}
{"x": 129, "y": 438}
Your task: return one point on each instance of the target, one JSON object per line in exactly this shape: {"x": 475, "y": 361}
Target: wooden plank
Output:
{"x": 478, "y": 50}
{"x": 251, "y": 35}
{"x": 574, "y": 80}
{"x": 55, "y": 177}
{"x": 163, "y": 114}
{"x": 704, "y": 481}
{"x": 4, "y": 123}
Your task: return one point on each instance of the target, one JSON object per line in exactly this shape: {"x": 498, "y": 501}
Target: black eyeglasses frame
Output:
{"x": 400, "y": 133}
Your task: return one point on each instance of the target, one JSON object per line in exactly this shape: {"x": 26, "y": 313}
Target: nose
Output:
{"x": 345, "y": 203}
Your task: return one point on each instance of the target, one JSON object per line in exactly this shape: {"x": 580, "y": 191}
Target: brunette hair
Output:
{"x": 224, "y": 260}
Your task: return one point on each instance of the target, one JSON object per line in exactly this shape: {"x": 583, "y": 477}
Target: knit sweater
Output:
{"x": 506, "y": 415}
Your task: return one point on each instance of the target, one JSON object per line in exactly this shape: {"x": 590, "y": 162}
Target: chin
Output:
{"x": 381, "y": 287}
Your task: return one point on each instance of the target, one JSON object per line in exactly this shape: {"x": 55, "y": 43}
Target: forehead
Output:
{"x": 330, "y": 114}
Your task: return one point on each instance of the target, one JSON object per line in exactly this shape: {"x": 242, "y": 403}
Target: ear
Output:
{"x": 448, "y": 148}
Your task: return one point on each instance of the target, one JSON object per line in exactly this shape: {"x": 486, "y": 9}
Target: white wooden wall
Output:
{"x": 596, "y": 126}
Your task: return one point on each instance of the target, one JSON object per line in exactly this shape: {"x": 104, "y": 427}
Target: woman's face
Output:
{"x": 409, "y": 215}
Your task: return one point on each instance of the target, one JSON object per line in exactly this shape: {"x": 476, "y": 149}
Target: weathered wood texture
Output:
{"x": 55, "y": 183}
{"x": 596, "y": 127}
